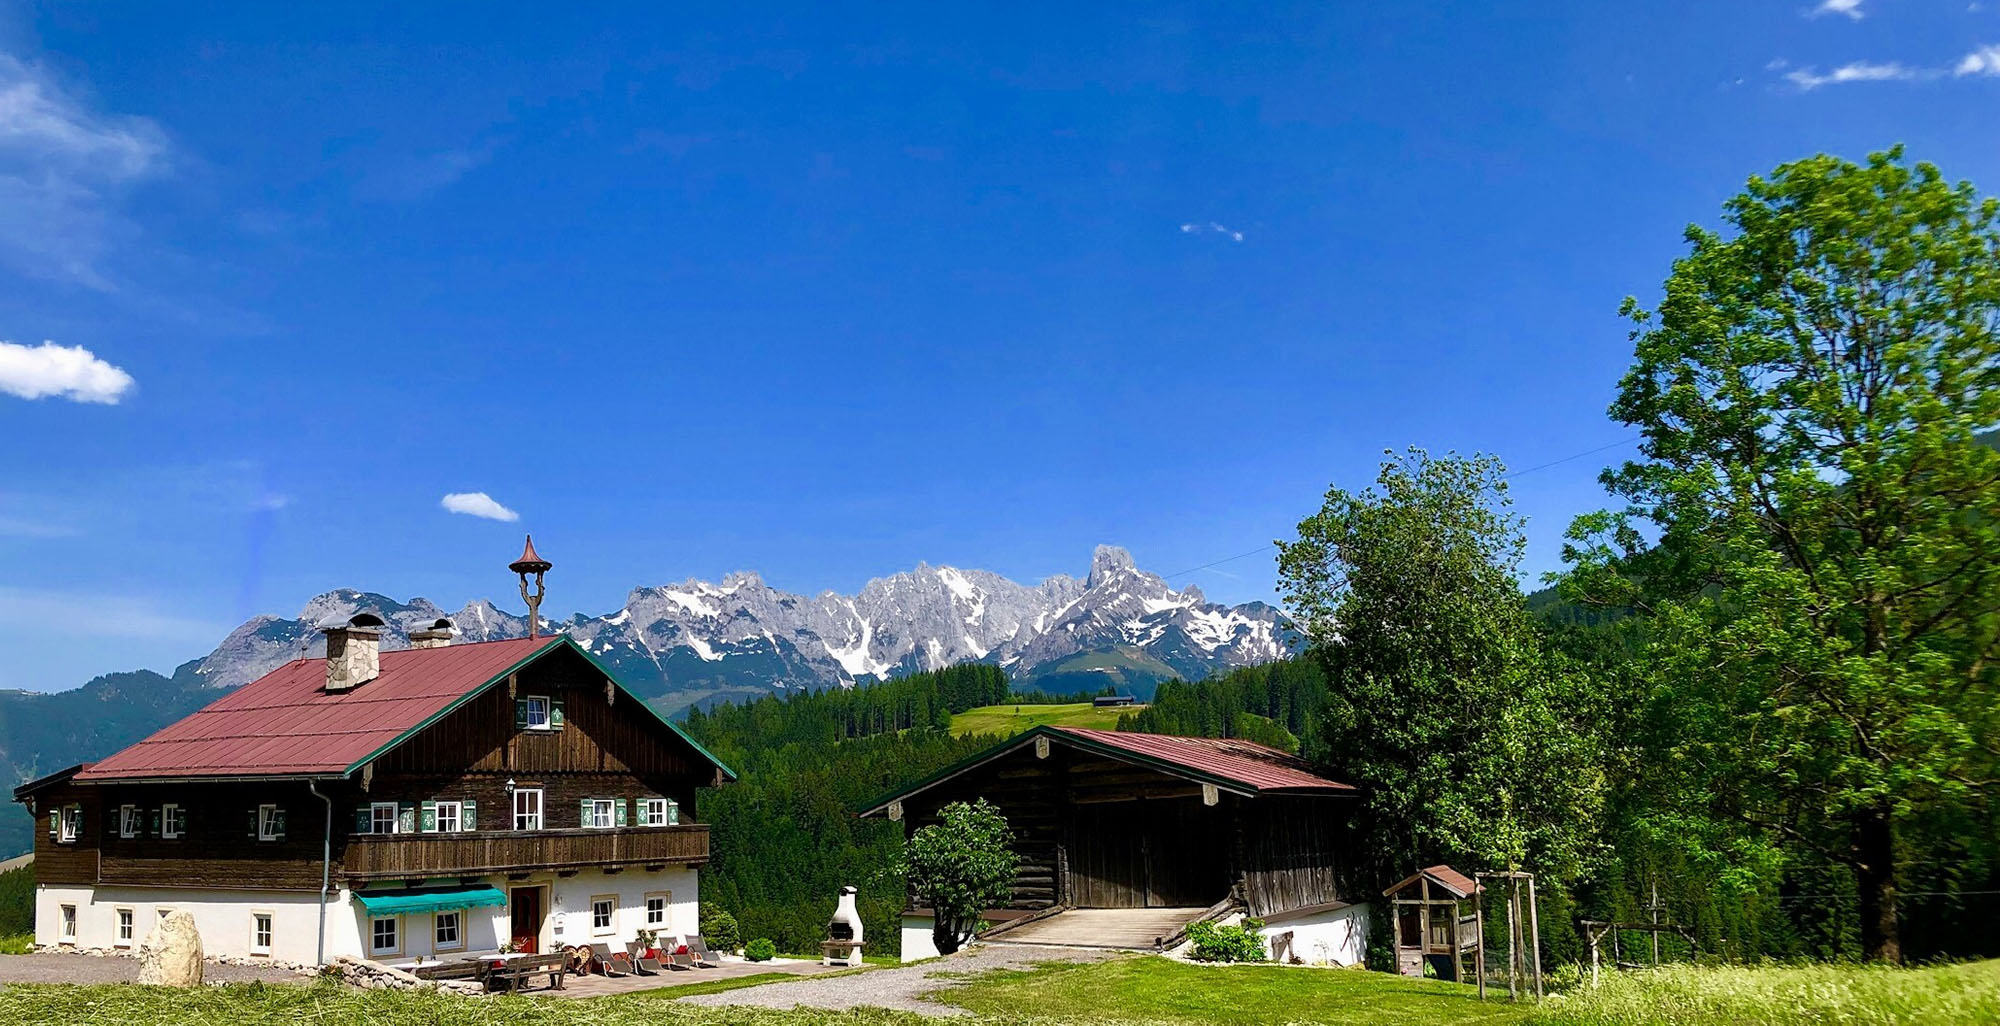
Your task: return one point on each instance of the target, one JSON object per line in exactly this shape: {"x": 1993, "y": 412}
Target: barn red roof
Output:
{"x": 1255, "y": 766}
{"x": 285, "y": 723}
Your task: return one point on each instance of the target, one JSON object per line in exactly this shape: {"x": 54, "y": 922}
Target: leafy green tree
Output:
{"x": 1471, "y": 742}
{"x": 1810, "y": 533}
{"x": 961, "y": 866}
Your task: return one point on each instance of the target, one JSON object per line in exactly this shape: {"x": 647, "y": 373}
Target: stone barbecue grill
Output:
{"x": 843, "y": 933}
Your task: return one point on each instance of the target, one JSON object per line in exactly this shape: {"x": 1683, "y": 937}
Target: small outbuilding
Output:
{"x": 1172, "y": 829}
{"x": 1431, "y": 926}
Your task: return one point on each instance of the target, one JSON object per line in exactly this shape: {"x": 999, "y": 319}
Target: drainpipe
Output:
{"x": 325, "y": 867}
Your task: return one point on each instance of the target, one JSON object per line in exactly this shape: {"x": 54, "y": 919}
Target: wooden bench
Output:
{"x": 460, "y": 970}
{"x": 514, "y": 973}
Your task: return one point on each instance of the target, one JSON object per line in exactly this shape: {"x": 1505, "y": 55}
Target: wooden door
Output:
{"x": 1163, "y": 853}
{"x": 525, "y": 903}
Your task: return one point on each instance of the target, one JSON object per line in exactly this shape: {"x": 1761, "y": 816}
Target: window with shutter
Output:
{"x": 406, "y": 818}
{"x": 520, "y": 714}
{"x": 153, "y": 823}
{"x": 427, "y": 817}
{"x": 468, "y": 815}
{"x": 363, "y": 820}
{"x": 618, "y": 809}
{"x": 255, "y": 816}
{"x": 173, "y": 821}
{"x": 556, "y": 713}
{"x": 587, "y": 815}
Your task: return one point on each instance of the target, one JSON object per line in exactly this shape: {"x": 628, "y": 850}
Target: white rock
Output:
{"x": 171, "y": 955}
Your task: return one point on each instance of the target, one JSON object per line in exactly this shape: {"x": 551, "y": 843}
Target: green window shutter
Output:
{"x": 110, "y": 822}
{"x": 619, "y": 816}
{"x": 468, "y": 815}
{"x": 406, "y": 817}
{"x": 253, "y": 822}
{"x": 556, "y": 713}
{"x": 278, "y": 823}
{"x": 427, "y": 817}
{"x": 55, "y": 821}
{"x": 364, "y": 819}
{"x": 585, "y": 818}
{"x": 153, "y": 824}
{"x": 520, "y": 714}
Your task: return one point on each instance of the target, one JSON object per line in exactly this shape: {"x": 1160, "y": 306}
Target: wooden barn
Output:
{"x": 1125, "y": 839}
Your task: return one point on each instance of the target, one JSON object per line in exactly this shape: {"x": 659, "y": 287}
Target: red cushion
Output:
{"x": 682, "y": 950}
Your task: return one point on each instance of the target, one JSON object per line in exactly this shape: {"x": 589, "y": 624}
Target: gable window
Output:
{"x": 601, "y": 908}
{"x": 382, "y": 936}
{"x": 658, "y": 812}
{"x": 124, "y": 936}
{"x": 656, "y": 910}
{"x": 537, "y": 712}
{"x": 69, "y": 922}
{"x": 72, "y": 824}
{"x": 599, "y": 813}
{"x": 448, "y": 818}
{"x": 447, "y": 931}
{"x": 528, "y": 808}
{"x": 260, "y": 933}
{"x": 173, "y": 821}
{"x": 382, "y": 818}
{"x": 270, "y": 823}
{"x": 128, "y": 821}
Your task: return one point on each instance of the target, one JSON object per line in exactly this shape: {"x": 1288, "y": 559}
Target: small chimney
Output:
{"x": 438, "y": 636}
{"x": 353, "y": 652}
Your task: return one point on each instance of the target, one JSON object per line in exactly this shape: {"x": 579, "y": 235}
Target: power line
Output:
{"x": 1503, "y": 477}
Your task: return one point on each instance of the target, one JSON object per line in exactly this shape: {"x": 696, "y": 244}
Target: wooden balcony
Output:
{"x": 482, "y": 852}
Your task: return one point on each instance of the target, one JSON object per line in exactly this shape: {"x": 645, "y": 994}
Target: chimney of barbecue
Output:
{"x": 353, "y": 652}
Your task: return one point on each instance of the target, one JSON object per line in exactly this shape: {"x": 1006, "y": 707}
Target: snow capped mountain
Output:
{"x": 1119, "y": 626}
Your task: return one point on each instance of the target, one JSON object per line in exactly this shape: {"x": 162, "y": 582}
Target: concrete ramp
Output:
{"x": 1133, "y": 929}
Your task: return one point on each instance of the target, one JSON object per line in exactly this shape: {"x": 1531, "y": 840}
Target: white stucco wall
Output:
{"x": 223, "y": 918}
{"x": 918, "y": 944}
{"x": 1333, "y": 937}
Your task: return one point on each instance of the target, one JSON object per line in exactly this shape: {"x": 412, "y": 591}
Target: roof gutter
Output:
{"x": 240, "y": 778}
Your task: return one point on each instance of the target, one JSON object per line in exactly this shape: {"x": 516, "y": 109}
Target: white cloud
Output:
{"x": 1192, "y": 228}
{"x": 1851, "y": 8}
{"x": 1858, "y": 71}
{"x": 477, "y": 504}
{"x": 71, "y": 372}
{"x": 63, "y": 167}
{"x": 1983, "y": 61}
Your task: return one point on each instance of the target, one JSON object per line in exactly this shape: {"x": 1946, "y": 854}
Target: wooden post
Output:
{"x": 1594, "y": 936}
{"x": 1512, "y": 931}
{"x": 1479, "y": 932}
{"x": 1535, "y": 940}
{"x": 1656, "y": 922}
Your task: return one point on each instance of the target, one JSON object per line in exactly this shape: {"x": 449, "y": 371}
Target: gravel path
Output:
{"x": 899, "y": 988}
{"x": 112, "y": 969}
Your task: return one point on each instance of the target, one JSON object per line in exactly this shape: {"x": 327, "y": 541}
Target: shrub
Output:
{"x": 961, "y": 866}
{"x": 761, "y": 950}
{"x": 719, "y": 927}
{"x": 1214, "y": 943}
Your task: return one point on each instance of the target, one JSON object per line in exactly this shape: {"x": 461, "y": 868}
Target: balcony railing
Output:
{"x": 390, "y": 856}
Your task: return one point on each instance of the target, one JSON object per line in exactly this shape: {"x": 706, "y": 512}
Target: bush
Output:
{"x": 1214, "y": 943}
{"x": 719, "y": 927}
{"x": 761, "y": 950}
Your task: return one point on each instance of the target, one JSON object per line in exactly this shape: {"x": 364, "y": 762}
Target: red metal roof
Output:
{"x": 1460, "y": 885}
{"x": 285, "y": 723}
{"x": 1255, "y": 766}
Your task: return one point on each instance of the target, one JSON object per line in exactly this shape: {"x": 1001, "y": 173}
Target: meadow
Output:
{"x": 1007, "y": 720}
{"x": 1141, "y": 989}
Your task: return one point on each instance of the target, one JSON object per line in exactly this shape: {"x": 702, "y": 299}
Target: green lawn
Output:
{"x": 1165, "y": 991}
{"x": 1008, "y": 720}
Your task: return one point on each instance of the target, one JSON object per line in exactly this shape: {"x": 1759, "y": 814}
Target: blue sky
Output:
{"x": 825, "y": 291}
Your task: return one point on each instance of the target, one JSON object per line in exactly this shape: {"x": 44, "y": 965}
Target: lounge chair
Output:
{"x": 642, "y": 963}
{"x": 703, "y": 955}
{"x": 611, "y": 964}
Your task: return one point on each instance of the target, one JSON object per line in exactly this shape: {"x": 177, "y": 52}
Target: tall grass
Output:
{"x": 1806, "y": 995}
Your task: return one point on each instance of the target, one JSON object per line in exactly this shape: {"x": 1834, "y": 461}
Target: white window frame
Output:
{"x": 129, "y": 825}
{"x": 653, "y": 812}
{"x": 457, "y": 941}
{"x": 547, "y": 721}
{"x": 265, "y": 922}
{"x": 533, "y": 818}
{"x": 375, "y": 810}
{"x": 603, "y": 813}
{"x": 666, "y": 900}
{"x": 168, "y": 829}
{"x": 265, "y": 815}
{"x": 67, "y": 916}
{"x": 609, "y": 902}
{"x": 396, "y": 935}
{"x": 69, "y": 824}
{"x": 124, "y": 926}
{"x": 457, "y": 817}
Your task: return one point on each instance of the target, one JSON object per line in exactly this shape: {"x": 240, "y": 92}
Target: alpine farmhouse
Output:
{"x": 386, "y": 805}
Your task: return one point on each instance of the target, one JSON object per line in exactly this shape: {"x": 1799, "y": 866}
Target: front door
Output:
{"x": 526, "y": 905}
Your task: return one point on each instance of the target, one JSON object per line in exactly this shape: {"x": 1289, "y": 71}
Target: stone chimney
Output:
{"x": 438, "y": 636}
{"x": 353, "y": 652}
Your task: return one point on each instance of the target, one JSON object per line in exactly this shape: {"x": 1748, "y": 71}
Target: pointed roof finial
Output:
{"x": 531, "y": 562}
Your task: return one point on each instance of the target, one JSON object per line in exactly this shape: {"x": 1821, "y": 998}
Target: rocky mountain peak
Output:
{"x": 1106, "y": 561}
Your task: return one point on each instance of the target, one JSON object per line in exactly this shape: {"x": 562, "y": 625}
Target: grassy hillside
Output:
{"x": 1008, "y": 720}
{"x": 1127, "y": 671}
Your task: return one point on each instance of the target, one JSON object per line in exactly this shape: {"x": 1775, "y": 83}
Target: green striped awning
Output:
{"x": 417, "y": 902}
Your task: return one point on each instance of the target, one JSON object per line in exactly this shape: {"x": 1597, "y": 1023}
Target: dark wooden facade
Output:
{"x": 1099, "y": 832}
{"x": 602, "y": 751}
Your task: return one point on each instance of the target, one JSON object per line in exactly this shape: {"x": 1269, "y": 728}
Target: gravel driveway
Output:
{"x": 110, "y": 969}
{"x": 898, "y": 988}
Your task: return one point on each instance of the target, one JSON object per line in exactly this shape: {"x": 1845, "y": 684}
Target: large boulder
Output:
{"x": 171, "y": 955}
